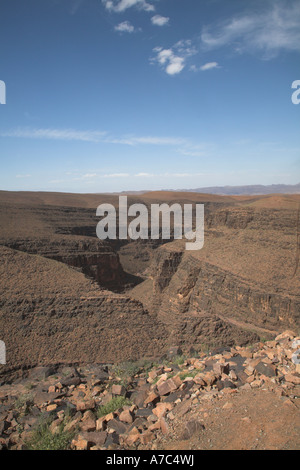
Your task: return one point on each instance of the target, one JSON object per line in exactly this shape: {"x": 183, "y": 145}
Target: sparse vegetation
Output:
{"x": 113, "y": 405}
{"x": 205, "y": 348}
{"x": 43, "y": 439}
{"x": 124, "y": 371}
{"x": 23, "y": 403}
{"x": 178, "y": 360}
{"x": 175, "y": 361}
{"x": 189, "y": 373}
{"x": 30, "y": 386}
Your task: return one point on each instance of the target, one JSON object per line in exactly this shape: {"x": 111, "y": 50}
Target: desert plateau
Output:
{"x": 76, "y": 309}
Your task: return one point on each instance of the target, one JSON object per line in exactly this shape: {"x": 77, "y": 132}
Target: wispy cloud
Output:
{"x": 150, "y": 140}
{"x": 119, "y": 6}
{"x": 55, "y": 134}
{"x": 116, "y": 175}
{"x": 197, "y": 150}
{"x": 148, "y": 175}
{"x": 144, "y": 140}
{"x": 180, "y": 145}
{"x": 159, "y": 20}
{"x": 209, "y": 66}
{"x": 273, "y": 30}
{"x": 23, "y": 176}
{"x": 173, "y": 60}
{"x": 91, "y": 136}
{"x": 125, "y": 27}
{"x": 89, "y": 175}
{"x": 144, "y": 175}
{"x": 75, "y": 6}
{"x": 192, "y": 153}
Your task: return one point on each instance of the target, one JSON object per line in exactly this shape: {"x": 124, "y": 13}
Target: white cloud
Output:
{"x": 97, "y": 137}
{"x": 160, "y": 20}
{"x": 185, "y": 175}
{"x": 56, "y": 134}
{"x": 157, "y": 140}
{"x": 146, "y": 140}
{"x": 273, "y": 30}
{"x": 200, "y": 150}
{"x": 23, "y": 176}
{"x": 151, "y": 175}
{"x": 89, "y": 175}
{"x": 119, "y": 6}
{"x": 176, "y": 65}
{"x": 190, "y": 153}
{"x": 172, "y": 63}
{"x": 174, "y": 60}
{"x": 185, "y": 47}
{"x": 116, "y": 175}
{"x": 209, "y": 66}
{"x": 125, "y": 27}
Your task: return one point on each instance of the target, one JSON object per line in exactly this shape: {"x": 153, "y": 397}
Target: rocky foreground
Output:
{"x": 176, "y": 401}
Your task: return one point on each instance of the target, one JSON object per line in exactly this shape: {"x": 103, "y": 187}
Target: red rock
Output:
{"x": 163, "y": 426}
{"x": 72, "y": 425}
{"x": 80, "y": 444}
{"x": 101, "y": 424}
{"x": 147, "y": 437}
{"x": 126, "y": 417}
{"x": 132, "y": 437}
{"x": 221, "y": 368}
{"x": 85, "y": 405}
{"x": 294, "y": 379}
{"x": 169, "y": 386}
{"x": 94, "y": 438}
{"x": 161, "y": 409}
{"x": 51, "y": 407}
{"x": 152, "y": 398}
{"x": 118, "y": 390}
{"x": 88, "y": 422}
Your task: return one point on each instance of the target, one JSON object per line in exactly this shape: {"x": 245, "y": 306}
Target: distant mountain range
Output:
{"x": 256, "y": 189}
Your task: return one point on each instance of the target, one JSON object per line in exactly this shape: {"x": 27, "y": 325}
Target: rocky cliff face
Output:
{"x": 51, "y": 313}
{"x": 92, "y": 257}
{"x": 233, "y": 289}
{"x": 202, "y": 287}
{"x": 238, "y": 287}
{"x": 174, "y": 299}
{"x": 252, "y": 218}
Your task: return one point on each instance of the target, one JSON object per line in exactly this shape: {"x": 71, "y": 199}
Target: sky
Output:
{"x": 120, "y": 95}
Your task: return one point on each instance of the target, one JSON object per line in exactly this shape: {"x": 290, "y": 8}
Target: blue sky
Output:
{"x": 113, "y": 95}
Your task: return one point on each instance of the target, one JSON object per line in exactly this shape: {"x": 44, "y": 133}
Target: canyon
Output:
{"x": 69, "y": 298}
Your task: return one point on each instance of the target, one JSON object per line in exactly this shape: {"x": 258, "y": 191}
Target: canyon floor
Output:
{"x": 68, "y": 299}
